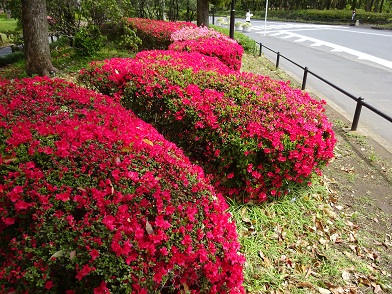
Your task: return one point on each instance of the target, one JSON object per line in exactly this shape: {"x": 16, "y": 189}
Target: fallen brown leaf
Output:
{"x": 149, "y": 228}
{"x": 355, "y": 249}
{"x": 352, "y": 237}
{"x": 247, "y": 221}
{"x": 148, "y": 142}
{"x": 305, "y": 285}
{"x": 8, "y": 159}
{"x": 376, "y": 288}
{"x": 264, "y": 258}
{"x": 346, "y": 276}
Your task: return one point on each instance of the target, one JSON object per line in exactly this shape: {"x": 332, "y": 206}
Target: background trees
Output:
{"x": 367, "y": 5}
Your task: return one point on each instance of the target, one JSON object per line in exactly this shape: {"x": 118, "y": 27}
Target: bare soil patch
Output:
{"x": 361, "y": 176}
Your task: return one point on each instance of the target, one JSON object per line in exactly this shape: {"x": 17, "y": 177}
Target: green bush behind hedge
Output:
{"x": 320, "y": 16}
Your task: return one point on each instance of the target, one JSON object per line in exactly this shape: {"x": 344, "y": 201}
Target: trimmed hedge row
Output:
{"x": 109, "y": 77}
{"x": 187, "y": 37}
{"x": 155, "y": 34}
{"x": 94, "y": 200}
{"x": 334, "y": 16}
{"x": 254, "y": 135}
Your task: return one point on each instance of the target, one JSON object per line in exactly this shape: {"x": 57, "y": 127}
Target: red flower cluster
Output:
{"x": 110, "y": 76}
{"x": 93, "y": 199}
{"x": 255, "y": 135}
{"x": 228, "y": 52}
{"x": 155, "y": 34}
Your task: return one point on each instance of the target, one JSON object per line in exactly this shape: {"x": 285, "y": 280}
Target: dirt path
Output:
{"x": 361, "y": 177}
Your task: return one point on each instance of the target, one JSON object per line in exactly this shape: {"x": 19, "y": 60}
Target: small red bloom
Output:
{"x": 49, "y": 285}
{"x": 84, "y": 272}
{"x": 94, "y": 254}
{"x": 102, "y": 289}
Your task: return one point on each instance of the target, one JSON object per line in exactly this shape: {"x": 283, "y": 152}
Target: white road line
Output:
{"x": 364, "y": 33}
{"x": 334, "y": 48}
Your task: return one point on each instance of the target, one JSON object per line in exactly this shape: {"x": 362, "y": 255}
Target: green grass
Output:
{"x": 384, "y": 26}
{"x": 63, "y": 58}
{"x": 7, "y": 26}
{"x": 298, "y": 243}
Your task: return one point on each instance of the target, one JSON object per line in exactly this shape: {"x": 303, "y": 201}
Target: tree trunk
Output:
{"x": 202, "y": 13}
{"x": 329, "y": 4}
{"x": 381, "y": 6}
{"x": 35, "y": 37}
{"x": 354, "y": 5}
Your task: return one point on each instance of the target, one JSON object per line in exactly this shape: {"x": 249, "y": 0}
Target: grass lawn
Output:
{"x": 6, "y": 26}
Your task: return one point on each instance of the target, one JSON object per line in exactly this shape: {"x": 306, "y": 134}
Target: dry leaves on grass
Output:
{"x": 325, "y": 237}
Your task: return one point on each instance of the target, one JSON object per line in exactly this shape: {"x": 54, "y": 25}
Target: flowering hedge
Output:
{"x": 195, "y": 33}
{"x": 208, "y": 42}
{"x": 254, "y": 135}
{"x": 229, "y": 53}
{"x": 94, "y": 200}
{"x": 110, "y": 76}
{"x": 156, "y": 34}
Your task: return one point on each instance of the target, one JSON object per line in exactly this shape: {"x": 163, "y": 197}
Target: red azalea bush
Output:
{"x": 195, "y": 33}
{"x": 155, "y": 34}
{"x": 94, "y": 200}
{"x": 158, "y": 34}
{"x": 228, "y": 52}
{"x": 208, "y": 42}
{"x": 181, "y": 60}
{"x": 110, "y": 76}
{"x": 253, "y": 134}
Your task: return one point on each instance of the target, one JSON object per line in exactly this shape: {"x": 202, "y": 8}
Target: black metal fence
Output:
{"x": 359, "y": 100}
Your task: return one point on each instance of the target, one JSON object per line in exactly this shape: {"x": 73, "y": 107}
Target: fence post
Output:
{"x": 261, "y": 49}
{"x": 357, "y": 114}
{"x": 277, "y": 59}
{"x": 304, "y": 78}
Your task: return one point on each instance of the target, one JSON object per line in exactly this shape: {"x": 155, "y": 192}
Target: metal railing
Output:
{"x": 359, "y": 100}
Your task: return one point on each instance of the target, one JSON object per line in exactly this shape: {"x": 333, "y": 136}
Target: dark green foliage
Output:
{"x": 330, "y": 16}
{"x": 129, "y": 40}
{"x": 88, "y": 41}
{"x": 121, "y": 35}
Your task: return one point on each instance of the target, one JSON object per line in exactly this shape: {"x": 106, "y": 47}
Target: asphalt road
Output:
{"x": 5, "y": 50}
{"x": 354, "y": 58}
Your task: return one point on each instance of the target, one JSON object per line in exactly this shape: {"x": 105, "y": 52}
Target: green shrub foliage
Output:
{"x": 88, "y": 41}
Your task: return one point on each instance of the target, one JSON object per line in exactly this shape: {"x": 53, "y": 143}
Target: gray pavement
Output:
{"x": 5, "y": 50}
